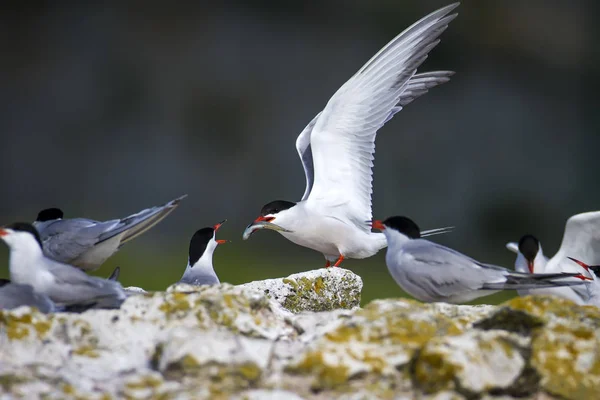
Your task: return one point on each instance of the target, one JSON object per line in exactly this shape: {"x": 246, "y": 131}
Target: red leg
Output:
{"x": 327, "y": 264}
{"x": 339, "y": 261}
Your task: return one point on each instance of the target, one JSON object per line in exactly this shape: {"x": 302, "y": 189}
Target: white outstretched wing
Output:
{"x": 343, "y": 138}
{"x": 417, "y": 86}
{"x": 513, "y": 246}
{"x": 581, "y": 241}
{"x": 305, "y": 153}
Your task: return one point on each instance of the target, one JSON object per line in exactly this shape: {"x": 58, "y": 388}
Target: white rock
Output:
{"x": 319, "y": 290}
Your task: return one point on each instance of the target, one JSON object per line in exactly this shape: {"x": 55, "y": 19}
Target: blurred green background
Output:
{"x": 109, "y": 109}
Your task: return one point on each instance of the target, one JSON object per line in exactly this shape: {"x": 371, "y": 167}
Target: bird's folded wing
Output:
{"x": 138, "y": 223}
{"x": 343, "y": 138}
{"x": 65, "y": 240}
{"x": 442, "y": 272}
{"x": 66, "y": 276}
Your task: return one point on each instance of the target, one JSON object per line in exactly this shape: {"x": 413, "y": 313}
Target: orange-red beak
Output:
{"x": 377, "y": 224}
{"x": 530, "y": 266}
{"x": 217, "y": 226}
{"x": 3, "y": 232}
{"x": 263, "y": 219}
{"x": 221, "y": 241}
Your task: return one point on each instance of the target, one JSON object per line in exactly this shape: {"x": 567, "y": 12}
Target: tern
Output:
{"x": 86, "y": 243}
{"x": 13, "y": 295}
{"x": 200, "y": 270}
{"x": 337, "y": 147}
{"x": 434, "y": 273}
{"x": 581, "y": 241}
{"x": 64, "y": 284}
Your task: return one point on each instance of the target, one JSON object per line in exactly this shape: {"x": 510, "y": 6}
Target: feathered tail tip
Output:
{"x": 587, "y": 269}
{"x": 437, "y": 231}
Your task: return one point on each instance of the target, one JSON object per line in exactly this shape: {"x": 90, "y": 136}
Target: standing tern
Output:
{"x": 13, "y": 295}
{"x": 86, "y": 243}
{"x": 337, "y": 147}
{"x": 199, "y": 270}
{"x": 581, "y": 241}
{"x": 434, "y": 273}
{"x": 64, "y": 284}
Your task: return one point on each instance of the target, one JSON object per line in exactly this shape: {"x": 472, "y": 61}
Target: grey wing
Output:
{"x": 416, "y": 87}
{"x": 65, "y": 240}
{"x": 14, "y": 295}
{"x": 74, "y": 286}
{"x": 442, "y": 272}
{"x": 140, "y": 222}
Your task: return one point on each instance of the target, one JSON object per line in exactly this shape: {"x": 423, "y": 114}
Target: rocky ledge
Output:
{"x": 302, "y": 337}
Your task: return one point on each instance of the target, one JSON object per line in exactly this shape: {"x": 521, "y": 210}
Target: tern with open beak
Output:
{"x": 200, "y": 270}
{"x": 337, "y": 148}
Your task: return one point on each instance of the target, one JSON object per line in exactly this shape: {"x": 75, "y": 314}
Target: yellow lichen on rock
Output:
{"x": 476, "y": 362}
{"x": 20, "y": 323}
{"x": 329, "y": 373}
{"x": 87, "y": 351}
{"x": 379, "y": 339}
{"x": 566, "y": 351}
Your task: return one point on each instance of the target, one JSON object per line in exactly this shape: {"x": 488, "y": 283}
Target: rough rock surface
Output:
{"x": 319, "y": 290}
{"x": 241, "y": 343}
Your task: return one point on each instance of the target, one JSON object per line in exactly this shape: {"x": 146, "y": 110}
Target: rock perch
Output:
{"x": 241, "y": 342}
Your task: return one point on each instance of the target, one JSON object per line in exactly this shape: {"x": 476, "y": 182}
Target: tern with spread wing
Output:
{"x": 337, "y": 147}
{"x": 65, "y": 285}
{"x": 86, "y": 243}
{"x": 434, "y": 273}
{"x": 581, "y": 241}
{"x": 200, "y": 270}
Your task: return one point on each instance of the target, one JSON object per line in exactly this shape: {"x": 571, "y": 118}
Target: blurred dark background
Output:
{"x": 105, "y": 110}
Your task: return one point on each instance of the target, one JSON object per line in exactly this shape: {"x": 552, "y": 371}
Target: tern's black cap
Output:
{"x": 199, "y": 242}
{"x": 529, "y": 247}
{"x": 25, "y": 227}
{"x": 276, "y": 206}
{"x": 403, "y": 225}
{"x": 49, "y": 214}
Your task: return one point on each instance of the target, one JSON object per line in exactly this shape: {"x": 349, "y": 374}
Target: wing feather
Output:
{"x": 581, "y": 241}
{"x": 342, "y": 140}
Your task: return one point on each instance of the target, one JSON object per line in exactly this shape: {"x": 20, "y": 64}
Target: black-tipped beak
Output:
{"x": 217, "y": 226}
